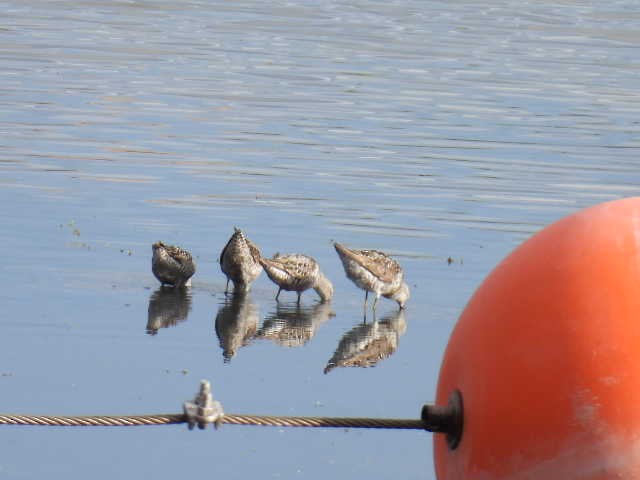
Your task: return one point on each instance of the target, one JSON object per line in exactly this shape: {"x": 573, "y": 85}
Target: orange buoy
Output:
{"x": 546, "y": 357}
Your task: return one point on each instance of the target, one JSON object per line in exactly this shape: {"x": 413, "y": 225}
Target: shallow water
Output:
{"x": 429, "y": 130}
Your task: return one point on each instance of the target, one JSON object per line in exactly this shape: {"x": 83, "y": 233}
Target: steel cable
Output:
{"x": 232, "y": 419}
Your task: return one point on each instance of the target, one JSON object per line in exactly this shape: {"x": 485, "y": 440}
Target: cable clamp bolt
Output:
{"x": 203, "y": 409}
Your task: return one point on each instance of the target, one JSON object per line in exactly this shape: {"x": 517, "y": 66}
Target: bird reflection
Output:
{"x": 368, "y": 343}
{"x": 293, "y": 325}
{"x": 168, "y": 306}
{"x": 236, "y": 323}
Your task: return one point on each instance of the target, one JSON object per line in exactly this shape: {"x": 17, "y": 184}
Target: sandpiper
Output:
{"x": 376, "y": 272}
{"x": 240, "y": 261}
{"x": 172, "y": 265}
{"x": 297, "y": 272}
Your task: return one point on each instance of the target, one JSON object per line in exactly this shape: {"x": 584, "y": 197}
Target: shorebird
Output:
{"x": 240, "y": 261}
{"x": 376, "y": 272}
{"x": 172, "y": 265}
{"x": 297, "y": 272}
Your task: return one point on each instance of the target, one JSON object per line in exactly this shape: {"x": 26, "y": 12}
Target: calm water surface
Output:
{"x": 426, "y": 129}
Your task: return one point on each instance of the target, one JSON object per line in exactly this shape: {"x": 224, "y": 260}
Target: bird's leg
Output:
{"x": 366, "y": 295}
{"x": 278, "y": 294}
{"x": 299, "y": 293}
{"x": 375, "y": 302}
{"x": 226, "y": 289}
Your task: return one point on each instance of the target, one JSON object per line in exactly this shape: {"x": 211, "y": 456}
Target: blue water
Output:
{"x": 428, "y": 130}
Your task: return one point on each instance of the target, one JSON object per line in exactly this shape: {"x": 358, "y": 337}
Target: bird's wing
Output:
{"x": 296, "y": 265}
{"x": 378, "y": 263}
